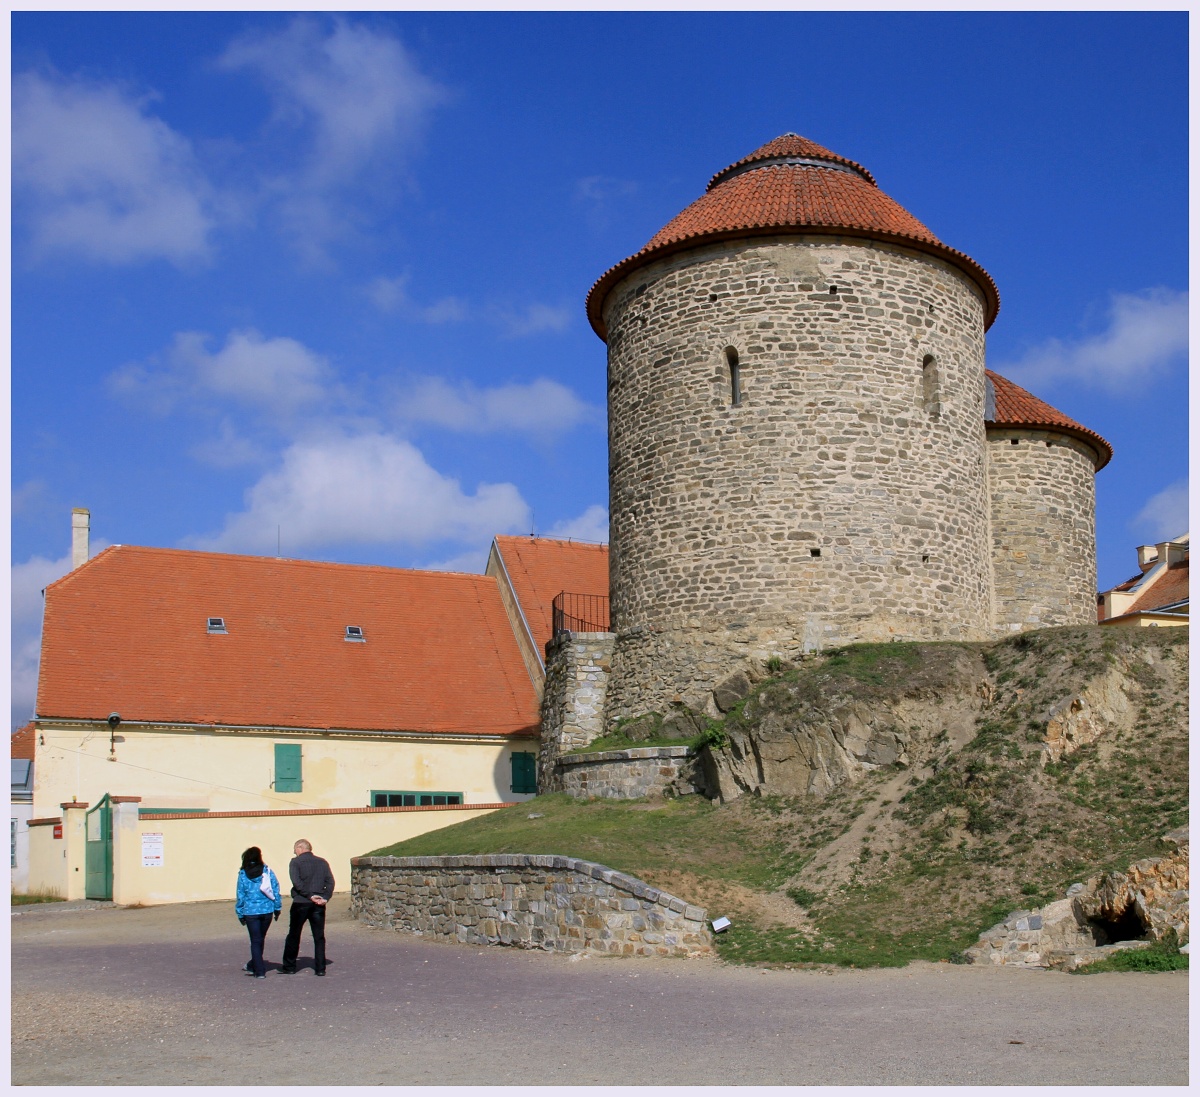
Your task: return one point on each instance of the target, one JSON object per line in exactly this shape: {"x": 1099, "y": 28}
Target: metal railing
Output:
{"x": 580, "y": 612}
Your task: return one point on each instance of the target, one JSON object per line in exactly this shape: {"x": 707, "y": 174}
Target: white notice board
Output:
{"x": 152, "y": 850}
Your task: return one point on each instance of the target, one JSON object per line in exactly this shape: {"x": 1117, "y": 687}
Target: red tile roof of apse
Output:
{"x": 127, "y": 632}
{"x": 540, "y": 568}
{"x": 791, "y": 186}
{"x": 1015, "y": 407}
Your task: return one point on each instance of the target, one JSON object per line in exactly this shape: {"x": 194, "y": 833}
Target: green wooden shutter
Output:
{"x": 524, "y": 772}
{"x": 287, "y": 768}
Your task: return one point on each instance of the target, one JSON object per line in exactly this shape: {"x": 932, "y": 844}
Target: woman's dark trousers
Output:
{"x": 314, "y": 915}
{"x": 257, "y": 926}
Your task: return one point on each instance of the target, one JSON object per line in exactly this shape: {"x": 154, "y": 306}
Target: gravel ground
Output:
{"x": 156, "y": 996}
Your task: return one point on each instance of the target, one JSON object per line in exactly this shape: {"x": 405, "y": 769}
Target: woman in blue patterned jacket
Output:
{"x": 258, "y": 902}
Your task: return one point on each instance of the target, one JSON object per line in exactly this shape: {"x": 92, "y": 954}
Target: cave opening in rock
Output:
{"x": 1126, "y": 926}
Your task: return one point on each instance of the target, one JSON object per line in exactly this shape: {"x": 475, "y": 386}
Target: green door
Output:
{"x": 98, "y": 862}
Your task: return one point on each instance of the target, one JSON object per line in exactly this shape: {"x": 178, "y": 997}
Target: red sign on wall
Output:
{"x": 58, "y": 830}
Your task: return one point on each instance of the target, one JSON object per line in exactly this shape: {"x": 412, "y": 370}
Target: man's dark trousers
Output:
{"x": 314, "y": 915}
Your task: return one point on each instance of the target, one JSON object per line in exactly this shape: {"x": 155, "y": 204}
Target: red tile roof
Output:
{"x": 540, "y": 568}
{"x": 1015, "y": 407}
{"x": 1168, "y": 588}
{"x": 790, "y": 145}
{"x": 21, "y": 744}
{"x": 127, "y": 632}
{"x": 790, "y": 185}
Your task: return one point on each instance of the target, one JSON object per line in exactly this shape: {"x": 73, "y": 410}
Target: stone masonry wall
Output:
{"x": 577, "y": 671}
{"x": 627, "y": 774}
{"x": 1043, "y": 506}
{"x": 844, "y": 444}
{"x": 559, "y": 904}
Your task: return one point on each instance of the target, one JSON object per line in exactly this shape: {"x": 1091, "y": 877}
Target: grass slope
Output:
{"x": 902, "y": 865}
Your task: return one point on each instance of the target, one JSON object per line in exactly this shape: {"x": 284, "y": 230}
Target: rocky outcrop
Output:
{"x": 1120, "y": 910}
{"x": 1102, "y": 706}
{"x": 806, "y": 737}
{"x": 1152, "y": 894}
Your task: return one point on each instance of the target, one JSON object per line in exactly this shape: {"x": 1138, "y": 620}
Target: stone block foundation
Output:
{"x": 627, "y": 774}
{"x": 559, "y": 904}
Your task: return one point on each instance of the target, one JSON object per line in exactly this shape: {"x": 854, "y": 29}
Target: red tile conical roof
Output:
{"x": 791, "y": 185}
{"x": 1014, "y": 407}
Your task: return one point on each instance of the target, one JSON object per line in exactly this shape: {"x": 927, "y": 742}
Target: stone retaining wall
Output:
{"x": 559, "y": 904}
{"x": 627, "y": 774}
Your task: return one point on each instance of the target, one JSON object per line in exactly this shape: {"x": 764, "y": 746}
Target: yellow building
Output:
{"x": 191, "y": 704}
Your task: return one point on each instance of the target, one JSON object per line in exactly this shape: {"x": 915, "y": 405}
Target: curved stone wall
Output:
{"x": 1043, "y": 509}
{"x": 560, "y": 904}
{"x": 841, "y": 499}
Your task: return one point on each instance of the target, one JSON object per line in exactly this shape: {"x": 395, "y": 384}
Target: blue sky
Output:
{"x": 322, "y": 277}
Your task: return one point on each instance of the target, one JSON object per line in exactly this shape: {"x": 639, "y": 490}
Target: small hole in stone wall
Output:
{"x": 814, "y": 553}
{"x": 833, "y": 291}
{"x": 1014, "y": 441}
{"x": 925, "y": 558}
{"x": 712, "y": 297}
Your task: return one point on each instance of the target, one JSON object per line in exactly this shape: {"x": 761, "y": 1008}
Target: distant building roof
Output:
{"x": 540, "y": 568}
{"x": 1013, "y": 406}
{"x": 791, "y": 185}
{"x": 1161, "y": 587}
{"x": 129, "y": 632}
{"x": 21, "y": 743}
{"x": 1170, "y": 589}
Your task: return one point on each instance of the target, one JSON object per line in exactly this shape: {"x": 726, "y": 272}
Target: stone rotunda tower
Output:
{"x": 797, "y": 452}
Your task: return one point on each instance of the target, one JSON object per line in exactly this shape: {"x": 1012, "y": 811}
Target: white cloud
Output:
{"x": 1147, "y": 333}
{"x": 540, "y": 408}
{"x": 28, "y": 580}
{"x": 533, "y": 320}
{"x": 600, "y": 195}
{"x": 591, "y": 525}
{"x": 357, "y": 95}
{"x": 227, "y": 449}
{"x": 102, "y": 177}
{"x": 1164, "y": 515}
{"x": 391, "y": 295}
{"x": 472, "y": 561}
{"x": 278, "y": 376}
{"x": 366, "y": 489}
{"x": 29, "y": 495}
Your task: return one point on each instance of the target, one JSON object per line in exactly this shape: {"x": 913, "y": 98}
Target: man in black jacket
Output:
{"x": 312, "y": 888}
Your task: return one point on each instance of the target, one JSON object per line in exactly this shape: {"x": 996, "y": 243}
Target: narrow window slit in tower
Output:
{"x": 931, "y": 387}
{"x": 735, "y": 377}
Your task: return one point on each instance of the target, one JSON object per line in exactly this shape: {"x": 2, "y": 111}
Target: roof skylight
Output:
{"x": 355, "y": 633}
{"x": 217, "y": 624}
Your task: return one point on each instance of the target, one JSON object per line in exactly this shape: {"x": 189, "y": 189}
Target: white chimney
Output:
{"x": 81, "y": 526}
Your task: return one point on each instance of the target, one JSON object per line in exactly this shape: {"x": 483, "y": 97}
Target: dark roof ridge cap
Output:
{"x": 815, "y": 151}
{"x": 821, "y": 163}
